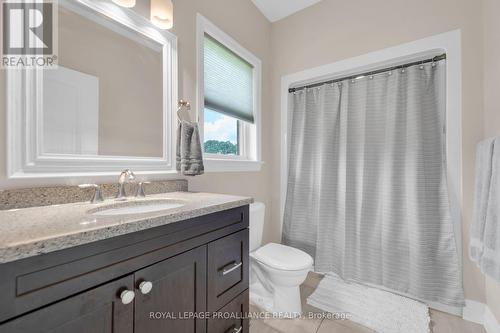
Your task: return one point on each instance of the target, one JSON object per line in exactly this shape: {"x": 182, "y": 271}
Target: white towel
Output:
{"x": 484, "y": 155}
{"x": 484, "y": 246}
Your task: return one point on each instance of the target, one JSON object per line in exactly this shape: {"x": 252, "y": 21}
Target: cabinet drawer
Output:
{"x": 232, "y": 318}
{"x": 227, "y": 269}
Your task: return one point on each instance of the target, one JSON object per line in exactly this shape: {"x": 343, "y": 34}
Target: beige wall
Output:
{"x": 492, "y": 108}
{"x": 491, "y": 67}
{"x": 334, "y": 29}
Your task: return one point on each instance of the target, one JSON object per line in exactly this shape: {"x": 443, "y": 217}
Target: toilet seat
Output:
{"x": 283, "y": 257}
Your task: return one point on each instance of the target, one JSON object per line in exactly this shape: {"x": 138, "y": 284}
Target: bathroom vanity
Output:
{"x": 75, "y": 268}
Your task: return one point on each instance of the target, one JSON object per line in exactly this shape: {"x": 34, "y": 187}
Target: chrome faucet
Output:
{"x": 126, "y": 176}
{"x": 97, "y": 196}
{"x": 140, "y": 190}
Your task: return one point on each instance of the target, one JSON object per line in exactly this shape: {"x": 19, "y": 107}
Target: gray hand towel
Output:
{"x": 189, "y": 159}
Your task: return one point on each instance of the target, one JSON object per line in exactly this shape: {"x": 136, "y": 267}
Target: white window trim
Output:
{"x": 250, "y": 136}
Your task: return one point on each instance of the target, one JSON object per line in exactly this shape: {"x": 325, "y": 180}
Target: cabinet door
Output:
{"x": 176, "y": 290}
{"x": 99, "y": 310}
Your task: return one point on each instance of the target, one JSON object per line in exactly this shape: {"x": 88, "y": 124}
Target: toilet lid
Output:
{"x": 283, "y": 257}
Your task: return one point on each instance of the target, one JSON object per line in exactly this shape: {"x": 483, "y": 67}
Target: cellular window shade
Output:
{"x": 228, "y": 81}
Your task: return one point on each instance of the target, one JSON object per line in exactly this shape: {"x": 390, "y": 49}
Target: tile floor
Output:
{"x": 440, "y": 322}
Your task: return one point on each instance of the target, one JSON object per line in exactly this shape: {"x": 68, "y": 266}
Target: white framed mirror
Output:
{"x": 109, "y": 105}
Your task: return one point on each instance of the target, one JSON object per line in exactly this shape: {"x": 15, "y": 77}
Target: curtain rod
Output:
{"x": 435, "y": 59}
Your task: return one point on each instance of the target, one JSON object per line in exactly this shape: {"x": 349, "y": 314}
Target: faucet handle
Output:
{"x": 140, "y": 190}
{"x": 126, "y": 175}
{"x": 97, "y": 197}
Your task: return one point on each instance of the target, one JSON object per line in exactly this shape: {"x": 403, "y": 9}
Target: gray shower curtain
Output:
{"x": 367, "y": 193}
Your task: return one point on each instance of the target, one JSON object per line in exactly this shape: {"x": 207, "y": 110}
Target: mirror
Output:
{"x": 105, "y": 97}
{"x": 109, "y": 104}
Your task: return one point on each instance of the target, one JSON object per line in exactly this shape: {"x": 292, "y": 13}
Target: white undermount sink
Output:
{"x": 136, "y": 207}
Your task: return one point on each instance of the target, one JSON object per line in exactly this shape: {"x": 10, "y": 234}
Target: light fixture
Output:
{"x": 125, "y": 3}
{"x": 162, "y": 13}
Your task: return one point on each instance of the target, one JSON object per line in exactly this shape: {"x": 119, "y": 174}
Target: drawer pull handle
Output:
{"x": 232, "y": 267}
{"x": 127, "y": 296}
{"x": 233, "y": 329}
{"x": 145, "y": 287}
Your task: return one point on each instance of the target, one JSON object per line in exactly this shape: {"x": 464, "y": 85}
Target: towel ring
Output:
{"x": 184, "y": 105}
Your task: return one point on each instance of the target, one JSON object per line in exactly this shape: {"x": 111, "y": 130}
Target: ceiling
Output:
{"x": 275, "y": 10}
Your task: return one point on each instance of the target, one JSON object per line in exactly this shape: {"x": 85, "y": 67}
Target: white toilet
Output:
{"x": 276, "y": 271}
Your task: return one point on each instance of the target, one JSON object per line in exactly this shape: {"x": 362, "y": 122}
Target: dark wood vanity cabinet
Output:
{"x": 189, "y": 276}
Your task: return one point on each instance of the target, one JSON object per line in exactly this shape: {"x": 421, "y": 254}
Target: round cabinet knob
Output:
{"x": 127, "y": 296}
{"x": 145, "y": 287}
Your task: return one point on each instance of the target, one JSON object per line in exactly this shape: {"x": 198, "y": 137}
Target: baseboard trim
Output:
{"x": 490, "y": 324}
{"x": 454, "y": 310}
{"x": 474, "y": 311}
{"x": 479, "y": 313}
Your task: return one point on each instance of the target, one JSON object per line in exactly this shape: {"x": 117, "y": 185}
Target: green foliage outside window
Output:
{"x": 220, "y": 147}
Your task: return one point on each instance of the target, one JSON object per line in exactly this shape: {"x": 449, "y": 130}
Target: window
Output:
{"x": 221, "y": 133}
{"x": 229, "y": 99}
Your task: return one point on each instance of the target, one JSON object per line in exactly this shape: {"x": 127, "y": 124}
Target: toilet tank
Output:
{"x": 257, "y": 213}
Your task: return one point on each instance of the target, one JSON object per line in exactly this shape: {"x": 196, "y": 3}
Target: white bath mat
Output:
{"x": 379, "y": 310}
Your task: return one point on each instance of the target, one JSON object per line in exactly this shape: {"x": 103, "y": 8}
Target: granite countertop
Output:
{"x": 32, "y": 231}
